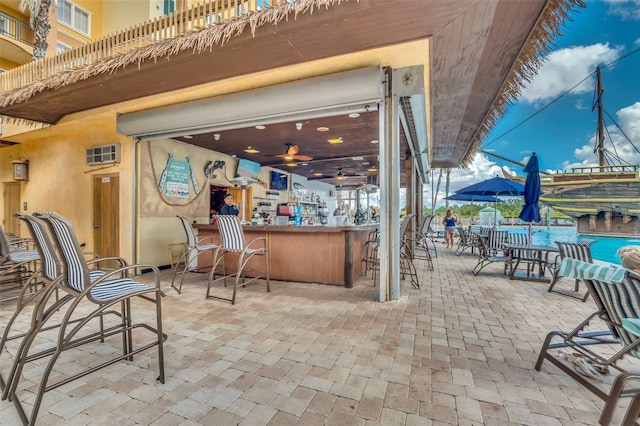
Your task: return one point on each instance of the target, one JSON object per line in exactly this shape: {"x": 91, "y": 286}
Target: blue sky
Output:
{"x": 562, "y": 133}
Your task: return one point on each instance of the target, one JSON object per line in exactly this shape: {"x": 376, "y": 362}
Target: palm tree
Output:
{"x": 39, "y": 20}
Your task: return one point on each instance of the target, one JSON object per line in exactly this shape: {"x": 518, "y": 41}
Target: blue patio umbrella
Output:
{"x": 531, "y": 211}
{"x": 474, "y": 198}
{"x": 495, "y": 187}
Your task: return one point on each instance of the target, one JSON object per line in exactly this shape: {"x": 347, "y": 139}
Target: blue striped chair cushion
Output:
{"x": 77, "y": 273}
{"x": 20, "y": 256}
{"x": 114, "y": 289}
{"x": 48, "y": 258}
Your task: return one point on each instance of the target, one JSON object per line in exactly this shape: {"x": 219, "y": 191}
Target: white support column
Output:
{"x": 389, "y": 194}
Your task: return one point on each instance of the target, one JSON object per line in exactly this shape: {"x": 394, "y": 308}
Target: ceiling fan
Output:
{"x": 292, "y": 154}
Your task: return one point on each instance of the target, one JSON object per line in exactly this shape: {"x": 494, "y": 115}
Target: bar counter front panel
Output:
{"x": 314, "y": 254}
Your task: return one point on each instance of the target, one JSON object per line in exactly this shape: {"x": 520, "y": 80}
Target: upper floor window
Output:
{"x": 168, "y": 7}
{"x": 74, "y": 16}
{"x": 62, "y": 47}
{"x": 4, "y": 24}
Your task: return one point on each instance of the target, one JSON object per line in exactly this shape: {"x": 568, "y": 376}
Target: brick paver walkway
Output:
{"x": 460, "y": 350}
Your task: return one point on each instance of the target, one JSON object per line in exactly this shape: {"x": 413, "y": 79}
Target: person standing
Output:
{"x": 449, "y": 223}
{"x": 229, "y": 208}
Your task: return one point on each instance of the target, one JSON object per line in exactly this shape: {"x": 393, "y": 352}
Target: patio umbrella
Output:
{"x": 530, "y": 211}
{"x": 495, "y": 187}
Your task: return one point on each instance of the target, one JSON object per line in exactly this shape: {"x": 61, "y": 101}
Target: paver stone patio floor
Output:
{"x": 461, "y": 350}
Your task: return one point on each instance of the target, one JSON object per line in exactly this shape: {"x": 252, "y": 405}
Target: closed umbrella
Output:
{"x": 531, "y": 211}
{"x": 496, "y": 187}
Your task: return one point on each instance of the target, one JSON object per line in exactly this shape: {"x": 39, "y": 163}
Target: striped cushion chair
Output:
{"x": 97, "y": 297}
{"x": 50, "y": 270}
{"x": 616, "y": 293}
{"x": 192, "y": 250}
{"x": 18, "y": 260}
{"x": 233, "y": 244}
{"x": 579, "y": 251}
{"x": 492, "y": 250}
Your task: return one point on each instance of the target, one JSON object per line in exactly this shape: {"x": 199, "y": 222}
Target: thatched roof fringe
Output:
{"x": 197, "y": 41}
{"x": 552, "y": 18}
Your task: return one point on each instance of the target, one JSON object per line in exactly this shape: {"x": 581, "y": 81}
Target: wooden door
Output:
{"x": 236, "y": 192}
{"x": 11, "y": 192}
{"x": 106, "y": 214}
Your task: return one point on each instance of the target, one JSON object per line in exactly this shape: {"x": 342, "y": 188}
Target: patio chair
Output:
{"x": 37, "y": 284}
{"x": 420, "y": 242}
{"x": 233, "y": 243}
{"x": 577, "y": 251}
{"x": 407, "y": 267}
{"x": 370, "y": 250}
{"x": 193, "y": 248}
{"x": 466, "y": 240}
{"x": 76, "y": 326}
{"x": 616, "y": 293}
{"x": 427, "y": 235}
{"x": 18, "y": 260}
{"x": 492, "y": 250}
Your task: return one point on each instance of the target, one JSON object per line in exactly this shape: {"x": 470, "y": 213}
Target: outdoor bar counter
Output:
{"x": 315, "y": 254}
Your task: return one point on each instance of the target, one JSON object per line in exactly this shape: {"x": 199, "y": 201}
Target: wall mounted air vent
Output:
{"x": 103, "y": 154}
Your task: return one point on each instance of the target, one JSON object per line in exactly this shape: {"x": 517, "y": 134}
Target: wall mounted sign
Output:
{"x": 175, "y": 179}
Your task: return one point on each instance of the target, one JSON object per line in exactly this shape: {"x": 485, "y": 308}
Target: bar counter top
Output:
{"x": 320, "y": 254}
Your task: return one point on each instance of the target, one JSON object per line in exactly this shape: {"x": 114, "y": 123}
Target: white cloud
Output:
{"x": 628, "y": 119}
{"x": 481, "y": 168}
{"x": 564, "y": 68}
{"x": 628, "y": 10}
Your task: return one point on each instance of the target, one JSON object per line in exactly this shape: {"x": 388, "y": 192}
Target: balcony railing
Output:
{"x": 15, "y": 29}
{"x": 204, "y": 14}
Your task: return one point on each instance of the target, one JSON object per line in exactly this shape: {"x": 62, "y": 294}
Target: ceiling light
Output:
{"x": 374, "y": 141}
{"x": 365, "y": 163}
{"x": 372, "y": 169}
{"x": 354, "y": 115}
{"x": 357, "y": 158}
{"x": 317, "y": 174}
{"x": 322, "y": 129}
{"x": 335, "y": 140}
{"x": 288, "y": 157}
{"x": 292, "y": 165}
{"x": 260, "y": 127}
{"x": 216, "y": 136}
{"x": 251, "y": 150}
{"x": 299, "y": 126}
{"x": 305, "y": 164}
{"x": 188, "y": 137}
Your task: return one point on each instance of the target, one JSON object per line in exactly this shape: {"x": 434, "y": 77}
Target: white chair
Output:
{"x": 193, "y": 249}
{"x": 233, "y": 243}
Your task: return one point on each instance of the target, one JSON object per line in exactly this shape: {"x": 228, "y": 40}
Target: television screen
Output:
{"x": 248, "y": 168}
{"x": 279, "y": 181}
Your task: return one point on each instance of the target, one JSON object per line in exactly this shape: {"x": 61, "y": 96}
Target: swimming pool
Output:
{"x": 603, "y": 249}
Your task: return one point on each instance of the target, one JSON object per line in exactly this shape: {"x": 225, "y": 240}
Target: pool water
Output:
{"x": 604, "y": 248}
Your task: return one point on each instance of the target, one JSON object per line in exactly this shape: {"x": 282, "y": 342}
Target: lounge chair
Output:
{"x": 466, "y": 240}
{"x": 492, "y": 250}
{"x": 616, "y": 293}
{"x": 579, "y": 251}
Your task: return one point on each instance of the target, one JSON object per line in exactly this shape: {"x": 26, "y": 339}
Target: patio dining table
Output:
{"x": 534, "y": 257}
